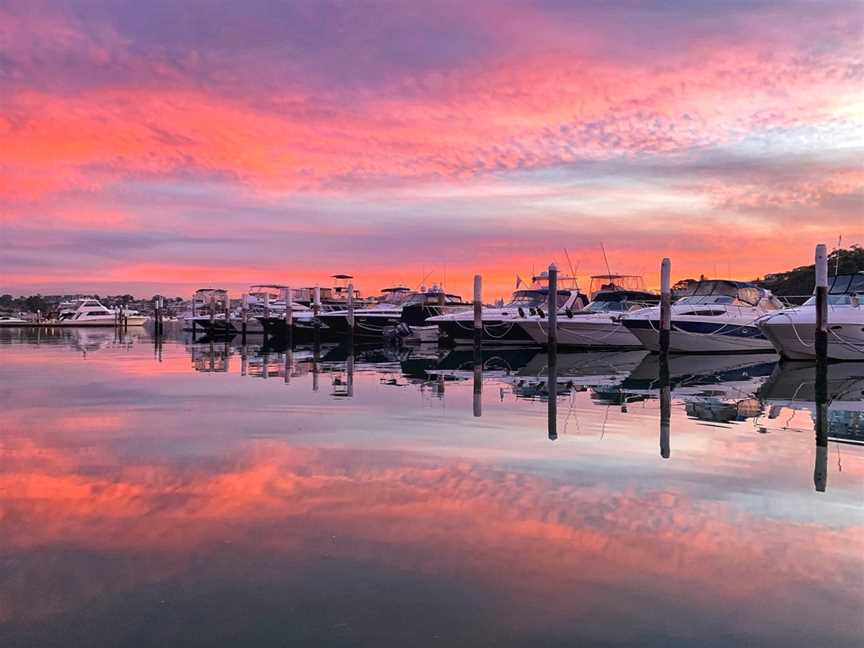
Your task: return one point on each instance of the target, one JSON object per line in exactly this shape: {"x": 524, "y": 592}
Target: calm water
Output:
{"x": 214, "y": 495}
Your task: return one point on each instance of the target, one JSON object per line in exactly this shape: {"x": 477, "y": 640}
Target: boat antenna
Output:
{"x": 837, "y": 265}
{"x": 423, "y": 280}
{"x": 570, "y": 263}
{"x": 608, "y": 271}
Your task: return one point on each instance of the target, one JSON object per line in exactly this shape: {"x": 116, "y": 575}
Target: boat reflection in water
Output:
{"x": 716, "y": 389}
{"x": 833, "y": 397}
{"x": 159, "y": 502}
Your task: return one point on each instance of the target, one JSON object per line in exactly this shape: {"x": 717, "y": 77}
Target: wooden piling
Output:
{"x": 351, "y": 312}
{"x": 244, "y": 317}
{"x": 552, "y": 332}
{"x": 226, "y": 310}
{"x": 665, "y": 304}
{"x": 212, "y": 308}
{"x": 194, "y": 314}
{"x": 821, "y": 340}
{"x": 316, "y": 301}
{"x": 478, "y": 310}
{"x": 289, "y": 316}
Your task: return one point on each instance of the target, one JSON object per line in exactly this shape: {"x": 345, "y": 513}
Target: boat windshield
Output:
{"x": 607, "y": 307}
{"x": 706, "y": 299}
{"x": 833, "y": 300}
{"x": 743, "y": 292}
{"x": 846, "y": 284}
{"x": 535, "y": 298}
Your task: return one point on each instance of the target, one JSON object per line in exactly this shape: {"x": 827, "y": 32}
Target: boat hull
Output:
{"x": 495, "y": 332}
{"x": 581, "y": 332}
{"x": 696, "y": 336}
{"x": 795, "y": 341}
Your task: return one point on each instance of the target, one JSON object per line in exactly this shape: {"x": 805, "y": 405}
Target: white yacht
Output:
{"x": 598, "y": 325}
{"x": 718, "y": 316}
{"x": 792, "y": 331}
{"x": 90, "y": 312}
{"x": 399, "y": 308}
{"x": 501, "y": 323}
{"x": 10, "y": 320}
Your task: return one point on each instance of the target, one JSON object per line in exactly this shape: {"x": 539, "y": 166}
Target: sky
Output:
{"x": 166, "y": 146}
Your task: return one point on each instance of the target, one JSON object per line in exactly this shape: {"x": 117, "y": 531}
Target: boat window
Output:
{"x": 840, "y": 284}
{"x": 534, "y": 298}
{"x": 527, "y": 298}
{"x": 706, "y": 299}
{"x": 833, "y": 300}
{"x": 95, "y": 313}
{"x": 606, "y": 307}
{"x": 856, "y": 284}
{"x": 749, "y": 295}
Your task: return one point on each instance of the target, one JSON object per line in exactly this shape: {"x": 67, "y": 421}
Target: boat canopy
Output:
{"x": 616, "y": 282}
{"x": 746, "y": 292}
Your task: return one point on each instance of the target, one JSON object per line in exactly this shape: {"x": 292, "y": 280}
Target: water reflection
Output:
{"x": 353, "y": 497}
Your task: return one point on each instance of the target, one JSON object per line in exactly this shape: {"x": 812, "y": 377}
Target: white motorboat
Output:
{"x": 90, "y": 312}
{"x": 598, "y": 325}
{"x": 399, "y": 309}
{"x": 792, "y": 331}
{"x": 719, "y": 316}
{"x": 501, "y": 323}
{"x": 9, "y": 320}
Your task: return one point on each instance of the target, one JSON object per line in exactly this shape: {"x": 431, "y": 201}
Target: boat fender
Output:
{"x": 568, "y": 312}
{"x": 521, "y": 312}
{"x": 531, "y": 311}
{"x": 540, "y": 312}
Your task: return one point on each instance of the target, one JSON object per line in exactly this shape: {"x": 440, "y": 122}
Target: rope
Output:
{"x": 845, "y": 343}
{"x": 486, "y": 329}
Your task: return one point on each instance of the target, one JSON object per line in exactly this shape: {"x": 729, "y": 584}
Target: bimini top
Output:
{"x": 616, "y": 282}
{"x": 714, "y": 290}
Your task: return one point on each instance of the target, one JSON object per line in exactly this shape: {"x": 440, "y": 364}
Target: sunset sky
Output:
{"x": 163, "y": 146}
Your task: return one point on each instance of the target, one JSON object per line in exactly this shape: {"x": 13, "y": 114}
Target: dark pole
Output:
{"x": 821, "y": 340}
{"x": 665, "y": 304}
{"x": 478, "y": 310}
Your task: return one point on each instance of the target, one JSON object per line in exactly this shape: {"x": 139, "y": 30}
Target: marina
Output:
{"x": 403, "y": 324}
